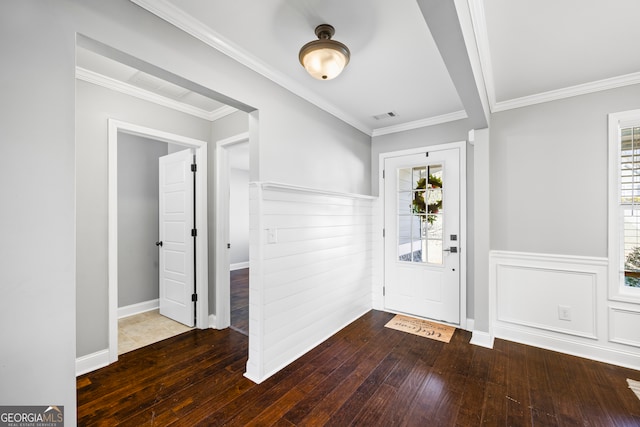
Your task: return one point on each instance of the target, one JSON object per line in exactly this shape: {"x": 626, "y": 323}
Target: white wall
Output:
{"x": 289, "y": 127}
{"x": 431, "y": 135}
{"x": 38, "y": 40}
{"x": 549, "y": 180}
{"x": 311, "y": 264}
{"x": 549, "y": 174}
{"x": 226, "y": 127}
{"x": 303, "y": 145}
{"x": 138, "y": 223}
{"x": 239, "y": 216}
{"x": 480, "y": 239}
{"x": 37, "y": 274}
{"x": 287, "y": 124}
{"x": 238, "y": 162}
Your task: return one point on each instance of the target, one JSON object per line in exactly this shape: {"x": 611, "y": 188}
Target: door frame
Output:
{"x": 202, "y": 264}
{"x": 462, "y": 146}
{"x": 222, "y": 318}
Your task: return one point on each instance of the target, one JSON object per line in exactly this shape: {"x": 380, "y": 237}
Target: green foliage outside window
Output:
{"x": 420, "y": 206}
{"x": 632, "y": 263}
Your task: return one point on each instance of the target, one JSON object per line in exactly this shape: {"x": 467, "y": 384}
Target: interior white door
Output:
{"x": 177, "y": 253}
{"x": 422, "y": 224}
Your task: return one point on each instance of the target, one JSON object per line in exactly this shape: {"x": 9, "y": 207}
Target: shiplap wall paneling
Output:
{"x": 316, "y": 263}
{"x": 378, "y": 254}
{"x": 256, "y": 254}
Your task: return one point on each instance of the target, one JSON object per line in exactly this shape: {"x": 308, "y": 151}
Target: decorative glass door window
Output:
{"x": 420, "y": 209}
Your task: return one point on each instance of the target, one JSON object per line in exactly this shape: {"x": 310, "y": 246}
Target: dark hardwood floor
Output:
{"x": 240, "y": 300}
{"x": 364, "y": 375}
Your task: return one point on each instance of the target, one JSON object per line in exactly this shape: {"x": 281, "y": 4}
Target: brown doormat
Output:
{"x": 423, "y": 328}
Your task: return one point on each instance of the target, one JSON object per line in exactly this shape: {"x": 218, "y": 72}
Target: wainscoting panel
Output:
{"x": 311, "y": 270}
{"x": 561, "y": 303}
{"x": 534, "y": 296}
{"x": 624, "y": 325}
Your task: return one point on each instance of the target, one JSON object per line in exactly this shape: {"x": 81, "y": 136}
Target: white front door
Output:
{"x": 176, "y": 244}
{"x": 422, "y": 235}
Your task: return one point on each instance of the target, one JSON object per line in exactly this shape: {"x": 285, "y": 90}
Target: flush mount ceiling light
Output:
{"x": 324, "y": 58}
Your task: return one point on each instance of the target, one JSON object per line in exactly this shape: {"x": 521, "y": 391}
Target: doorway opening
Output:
{"x": 104, "y": 67}
{"x": 232, "y": 229}
{"x": 143, "y": 315}
{"x": 124, "y": 133}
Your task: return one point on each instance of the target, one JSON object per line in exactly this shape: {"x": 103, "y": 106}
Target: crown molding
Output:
{"x": 128, "y": 89}
{"x": 177, "y": 17}
{"x": 221, "y": 112}
{"x": 476, "y": 9}
{"x": 479, "y": 26}
{"x": 430, "y": 121}
{"x": 463, "y": 9}
{"x": 568, "y": 92}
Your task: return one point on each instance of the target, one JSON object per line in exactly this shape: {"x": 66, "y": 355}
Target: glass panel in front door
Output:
{"x": 419, "y": 216}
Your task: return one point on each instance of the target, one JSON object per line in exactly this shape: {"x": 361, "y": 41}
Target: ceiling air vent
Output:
{"x": 157, "y": 85}
{"x": 388, "y": 115}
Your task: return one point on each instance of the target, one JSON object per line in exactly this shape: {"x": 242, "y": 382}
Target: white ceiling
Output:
{"x": 541, "y": 50}
{"x": 528, "y": 51}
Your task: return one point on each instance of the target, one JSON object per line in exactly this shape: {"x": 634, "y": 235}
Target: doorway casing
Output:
{"x": 223, "y": 287}
{"x": 200, "y": 149}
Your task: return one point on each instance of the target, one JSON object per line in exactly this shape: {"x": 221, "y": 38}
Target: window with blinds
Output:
{"x": 630, "y": 203}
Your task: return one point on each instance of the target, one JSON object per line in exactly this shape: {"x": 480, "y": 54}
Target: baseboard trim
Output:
{"x": 212, "y": 321}
{"x": 470, "y": 325}
{"x": 239, "y": 266}
{"x": 141, "y": 307}
{"x": 568, "y": 345}
{"x": 91, "y": 362}
{"x": 481, "y": 339}
{"x": 250, "y": 377}
{"x": 256, "y": 378}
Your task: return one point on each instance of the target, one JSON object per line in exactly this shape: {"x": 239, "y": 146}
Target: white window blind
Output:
{"x": 630, "y": 202}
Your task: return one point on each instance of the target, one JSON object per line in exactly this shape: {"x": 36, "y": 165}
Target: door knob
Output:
{"x": 159, "y": 243}
{"x": 452, "y": 249}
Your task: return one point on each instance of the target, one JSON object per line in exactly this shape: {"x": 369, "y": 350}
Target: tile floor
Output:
{"x": 144, "y": 329}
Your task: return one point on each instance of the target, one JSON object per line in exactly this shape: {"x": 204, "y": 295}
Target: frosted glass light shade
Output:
{"x": 324, "y": 59}
{"x": 324, "y": 63}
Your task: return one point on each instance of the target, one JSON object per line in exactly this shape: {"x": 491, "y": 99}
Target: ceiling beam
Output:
{"x": 443, "y": 22}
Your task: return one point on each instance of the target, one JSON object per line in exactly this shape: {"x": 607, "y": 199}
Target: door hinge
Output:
{"x": 194, "y": 232}
{"x": 194, "y": 297}
{"x": 384, "y": 290}
{"x": 194, "y": 167}
{"x": 383, "y": 231}
{"x": 228, "y": 245}
{"x": 382, "y": 173}
{"x": 426, "y": 154}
